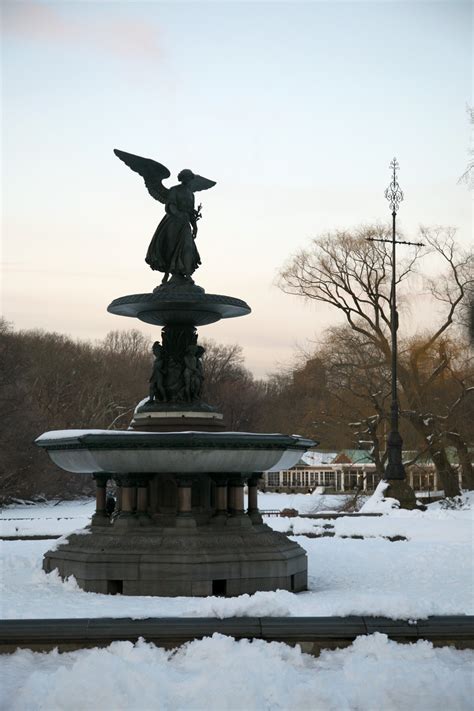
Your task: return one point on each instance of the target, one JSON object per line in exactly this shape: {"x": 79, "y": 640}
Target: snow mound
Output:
{"x": 377, "y": 503}
{"x": 219, "y": 673}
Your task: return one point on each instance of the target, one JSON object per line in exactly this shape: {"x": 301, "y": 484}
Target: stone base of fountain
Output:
{"x": 227, "y": 557}
{"x": 185, "y": 532}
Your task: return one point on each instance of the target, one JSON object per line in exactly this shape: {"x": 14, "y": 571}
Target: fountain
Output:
{"x": 180, "y": 527}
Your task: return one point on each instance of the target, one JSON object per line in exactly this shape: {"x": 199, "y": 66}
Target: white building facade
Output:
{"x": 343, "y": 472}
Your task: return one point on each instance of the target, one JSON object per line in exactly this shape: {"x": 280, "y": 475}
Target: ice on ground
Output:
{"x": 218, "y": 673}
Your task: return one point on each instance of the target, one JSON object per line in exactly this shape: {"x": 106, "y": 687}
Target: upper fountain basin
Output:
{"x": 187, "y": 305}
{"x": 126, "y": 452}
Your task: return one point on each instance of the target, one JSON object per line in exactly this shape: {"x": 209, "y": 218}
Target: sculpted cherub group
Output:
{"x": 184, "y": 381}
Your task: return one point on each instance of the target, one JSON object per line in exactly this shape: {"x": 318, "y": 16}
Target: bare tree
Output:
{"x": 468, "y": 176}
{"x": 359, "y": 381}
{"x": 49, "y": 381}
{"x": 230, "y": 387}
{"x": 352, "y": 275}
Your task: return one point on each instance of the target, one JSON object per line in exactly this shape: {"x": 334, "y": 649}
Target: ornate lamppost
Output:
{"x": 395, "y": 474}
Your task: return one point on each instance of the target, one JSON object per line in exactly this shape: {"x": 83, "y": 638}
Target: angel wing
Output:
{"x": 199, "y": 183}
{"x": 152, "y": 172}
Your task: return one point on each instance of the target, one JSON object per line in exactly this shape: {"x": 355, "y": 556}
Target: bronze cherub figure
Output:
{"x": 172, "y": 249}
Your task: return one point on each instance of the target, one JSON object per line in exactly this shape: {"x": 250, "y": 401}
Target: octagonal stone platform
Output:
{"x": 172, "y": 561}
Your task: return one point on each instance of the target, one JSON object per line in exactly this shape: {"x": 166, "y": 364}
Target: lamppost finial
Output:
{"x": 393, "y": 193}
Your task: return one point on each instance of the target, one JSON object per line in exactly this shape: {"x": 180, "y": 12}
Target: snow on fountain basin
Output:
{"x": 127, "y": 452}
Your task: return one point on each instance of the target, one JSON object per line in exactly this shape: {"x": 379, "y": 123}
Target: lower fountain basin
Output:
{"x": 126, "y": 452}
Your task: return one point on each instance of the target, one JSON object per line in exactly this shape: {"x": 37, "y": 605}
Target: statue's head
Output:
{"x": 156, "y": 348}
{"x": 185, "y": 176}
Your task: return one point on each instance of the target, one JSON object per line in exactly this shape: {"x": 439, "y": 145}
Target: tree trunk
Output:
{"x": 446, "y": 473}
{"x": 467, "y": 471}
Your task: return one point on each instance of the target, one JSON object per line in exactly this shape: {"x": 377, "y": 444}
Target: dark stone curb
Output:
{"x": 39, "y": 537}
{"x": 312, "y": 633}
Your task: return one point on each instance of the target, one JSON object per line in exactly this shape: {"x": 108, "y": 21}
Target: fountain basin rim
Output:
{"x": 181, "y": 453}
{"x": 126, "y": 439}
{"x": 179, "y": 307}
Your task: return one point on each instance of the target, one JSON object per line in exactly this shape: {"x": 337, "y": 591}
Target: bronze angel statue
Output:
{"x": 172, "y": 249}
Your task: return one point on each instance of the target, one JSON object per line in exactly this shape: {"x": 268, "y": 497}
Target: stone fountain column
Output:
{"x": 100, "y": 517}
{"x": 142, "y": 498}
{"x": 126, "y": 517}
{"x": 118, "y": 492}
{"x": 184, "y": 517}
{"x": 253, "y": 511}
{"x": 230, "y": 498}
{"x": 236, "y": 503}
{"x": 221, "y": 514}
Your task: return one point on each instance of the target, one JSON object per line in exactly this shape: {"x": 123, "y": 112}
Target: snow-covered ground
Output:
{"x": 51, "y": 518}
{"x": 303, "y": 503}
{"x": 430, "y": 573}
{"x": 219, "y": 673}
{"x": 59, "y": 518}
{"x": 438, "y": 525}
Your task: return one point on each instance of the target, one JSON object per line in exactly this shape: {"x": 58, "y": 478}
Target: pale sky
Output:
{"x": 294, "y": 108}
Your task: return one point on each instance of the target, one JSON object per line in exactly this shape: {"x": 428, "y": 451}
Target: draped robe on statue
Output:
{"x": 172, "y": 248}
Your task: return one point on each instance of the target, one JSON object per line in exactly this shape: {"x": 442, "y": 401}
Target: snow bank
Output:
{"x": 377, "y": 503}
{"x": 219, "y": 673}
